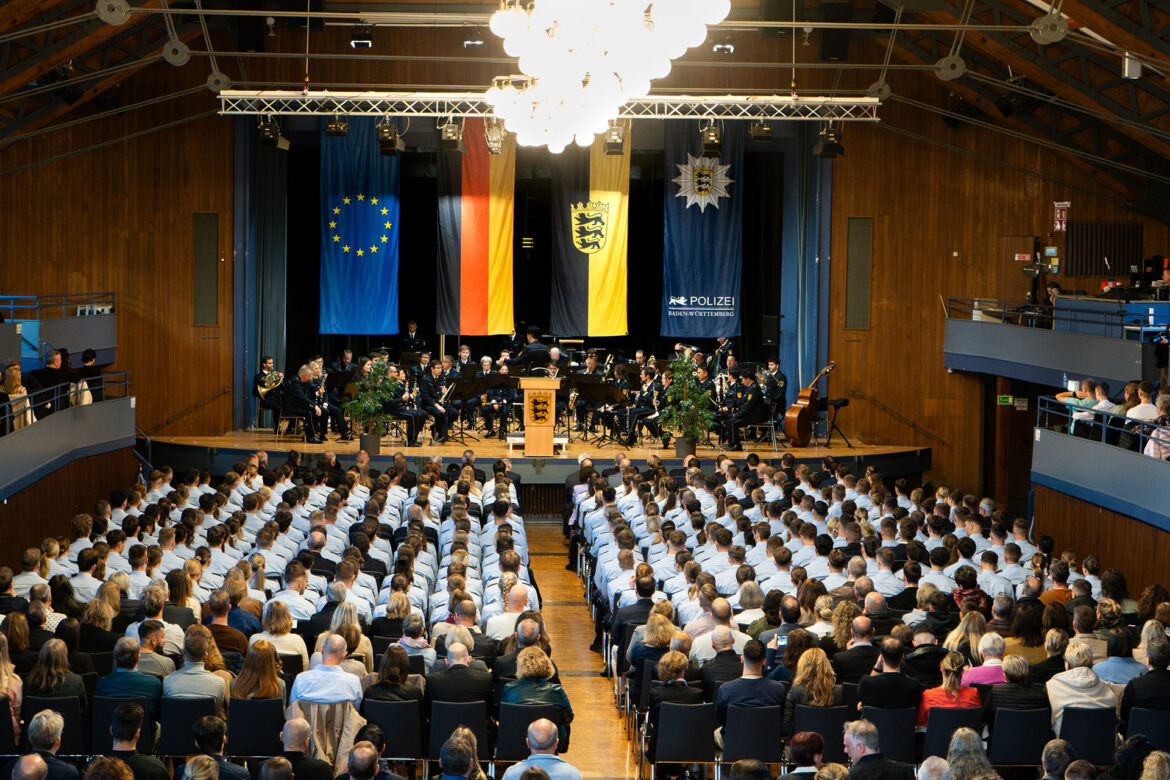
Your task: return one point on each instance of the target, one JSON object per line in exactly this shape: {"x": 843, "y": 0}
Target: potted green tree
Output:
{"x": 688, "y": 411}
{"x": 368, "y": 409}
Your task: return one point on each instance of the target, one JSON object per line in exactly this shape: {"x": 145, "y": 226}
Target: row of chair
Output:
{"x": 1017, "y": 739}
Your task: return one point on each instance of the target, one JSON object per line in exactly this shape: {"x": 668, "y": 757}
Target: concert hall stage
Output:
{"x": 218, "y": 453}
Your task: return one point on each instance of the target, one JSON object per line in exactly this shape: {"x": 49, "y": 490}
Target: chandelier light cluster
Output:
{"x": 583, "y": 59}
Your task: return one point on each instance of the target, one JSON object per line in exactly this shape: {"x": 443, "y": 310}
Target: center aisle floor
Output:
{"x": 598, "y": 746}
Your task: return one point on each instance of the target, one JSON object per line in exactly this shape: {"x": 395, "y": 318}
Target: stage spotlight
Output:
{"x": 494, "y": 134}
{"x": 830, "y": 144}
{"x": 337, "y": 127}
{"x": 711, "y": 138}
{"x": 615, "y": 138}
{"x": 474, "y": 39}
{"x": 451, "y": 137}
{"x": 270, "y": 135}
{"x": 362, "y": 36}
{"x": 389, "y": 142}
{"x": 759, "y": 130}
{"x": 724, "y": 45}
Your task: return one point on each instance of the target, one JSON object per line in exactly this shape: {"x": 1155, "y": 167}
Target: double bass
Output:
{"x": 798, "y": 420}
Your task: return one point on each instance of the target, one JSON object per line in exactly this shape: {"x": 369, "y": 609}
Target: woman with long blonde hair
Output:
{"x": 964, "y": 638}
{"x": 1156, "y": 766}
{"x": 10, "y": 684}
{"x": 277, "y": 631}
{"x": 842, "y": 621}
{"x": 347, "y": 613}
{"x": 815, "y": 685}
{"x": 22, "y": 414}
{"x": 952, "y": 692}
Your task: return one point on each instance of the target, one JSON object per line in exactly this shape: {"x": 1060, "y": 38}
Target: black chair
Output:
{"x": 514, "y": 721}
{"x": 829, "y": 722}
{"x": 1091, "y": 732}
{"x": 401, "y": 723}
{"x": 175, "y": 721}
{"x": 102, "y": 715}
{"x": 685, "y": 734}
{"x": 849, "y": 694}
{"x": 73, "y": 738}
{"x": 103, "y": 663}
{"x": 90, "y": 680}
{"x": 380, "y": 643}
{"x": 233, "y": 661}
{"x": 254, "y": 727}
{"x": 751, "y": 733}
{"x": 895, "y": 731}
{"x": 417, "y": 664}
{"x": 945, "y": 721}
{"x": 446, "y": 716}
{"x": 8, "y": 746}
{"x": 1155, "y": 724}
{"x": 1019, "y": 736}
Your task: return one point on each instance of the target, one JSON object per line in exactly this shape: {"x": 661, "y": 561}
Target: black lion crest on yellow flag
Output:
{"x": 539, "y": 409}
{"x": 589, "y": 225}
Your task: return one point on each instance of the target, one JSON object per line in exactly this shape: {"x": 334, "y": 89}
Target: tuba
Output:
{"x": 272, "y": 380}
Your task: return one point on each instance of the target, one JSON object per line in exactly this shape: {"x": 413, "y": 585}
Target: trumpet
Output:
{"x": 272, "y": 380}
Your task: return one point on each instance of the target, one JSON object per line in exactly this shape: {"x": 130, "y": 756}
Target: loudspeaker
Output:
{"x": 776, "y": 11}
{"x": 771, "y": 326}
{"x": 834, "y": 45}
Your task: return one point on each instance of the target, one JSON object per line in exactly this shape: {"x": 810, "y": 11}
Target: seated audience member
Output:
{"x": 951, "y": 693}
{"x": 814, "y": 685}
{"x": 259, "y": 677}
{"x": 851, "y": 664}
{"x": 44, "y": 737}
{"x": 150, "y": 658}
{"x": 533, "y": 686}
{"x": 278, "y": 627}
{"x": 655, "y": 644}
{"x": 393, "y": 679}
{"x": 1080, "y": 770}
{"x": 1016, "y": 693}
{"x": 193, "y": 680}
{"x": 125, "y": 730}
{"x": 726, "y": 665}
{"x": 674, "y": 689}
{"x": 1027, "y": 635}
{"x": 370, "y": 765}
{"x": 201, "y": 768}
{"x": 701, "y": 647}
{"x": 864, "y": 750}
{"x": 69, "y": 632}
{"x": 934, "y": 768}
{"x": 228, "y": 639}
{"x": 750, "y": 689}
{"x": 1119, "y": 666}
{"x": 966, "y": 759}
{"x": 328, "y": 682}
{"x": 51, "y": 677}
{"x": 805, "y": 752}
{"x": 414, "y": 641}
{"x": 456, "y": 758}
{"x": 924, "y": 659}
{"x": 295, "y": 738}
{"x": 458, "y": 682}
{"x": 276, "y": 768}
{"x": 106, "y": 768}
{"x": 542, "y": 741}
{"x": 210, "y": 734}
{"x": 96, "y": 634}
{"x": 892, "y": 688}
{"x": 991, "y": 670}
{"x": 126, "y": 680}
{"x": 1055, "y": 758}
{"x": 1079, "y": 686}
{"x": 1151, "y": 690}
{"x": 1055, "y": 643}
{"x": 749, "y": 769}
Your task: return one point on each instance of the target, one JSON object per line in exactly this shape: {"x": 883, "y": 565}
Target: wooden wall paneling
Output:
{"x": 45, "y": 507}
{"x": 1139, "y": 550}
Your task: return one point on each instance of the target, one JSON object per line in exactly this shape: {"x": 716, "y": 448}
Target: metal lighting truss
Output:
{"x": 465, "y": 104}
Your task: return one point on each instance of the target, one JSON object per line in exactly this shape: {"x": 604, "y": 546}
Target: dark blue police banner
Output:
{"x": 703, "y": 241}
{"x": 359, "y": 233}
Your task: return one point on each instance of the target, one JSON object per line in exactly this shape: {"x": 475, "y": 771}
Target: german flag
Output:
{"x": 590, "y": 226}
{"x": 476, "y": 211}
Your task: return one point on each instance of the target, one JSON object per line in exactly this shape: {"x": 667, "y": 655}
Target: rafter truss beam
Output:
{"x": 1108, "y": 18}
{"x": 464, "y": 104}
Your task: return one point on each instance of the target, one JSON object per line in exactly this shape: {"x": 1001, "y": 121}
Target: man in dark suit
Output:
{"x": 751, "y": 689}
{"x": 321, "y": 620}
{"x": 37, "y": 635}
{"x": 411, "y": 340}
{"x": 485, "y": 648}
{"x": 858, "y": 661}
{"x": 295, "y": 738}
{"x": 431, "y": 389}
{"x": 44, "y": 735}
{"x": 298, "y": 399}
{"x": 861, "y": 744}
{"x": 527, "y": 635}
{"x": 316, "y": 545}
{"x": 892, "y": 689}
{"x": 9, "y": 602}
{"x": 459, "y": 682}
{"x": 674, "y": 690}
{"x": 726, "y": 665}
{"x": 1152, "y": 689}
{"x": 271, "y": 399}
{"x": 751, "y": 410}
{"x": 635, "y": 614}
{"x": 534, "y": 354}
{"x": 922, "y": 662}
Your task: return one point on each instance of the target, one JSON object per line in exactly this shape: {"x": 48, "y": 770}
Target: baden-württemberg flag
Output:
{"x": 359, "y": 233}
{"x": 702, "y": 258}
{"x": 590, "y": 221}
{"x": 477, "y": 193}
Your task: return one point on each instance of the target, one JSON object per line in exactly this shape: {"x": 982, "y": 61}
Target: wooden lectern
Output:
{"x": 540, "y": 414}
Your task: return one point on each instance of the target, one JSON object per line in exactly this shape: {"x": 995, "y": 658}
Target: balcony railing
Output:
{"x": 38, "y": 404}
{"x": 46, "y": 307}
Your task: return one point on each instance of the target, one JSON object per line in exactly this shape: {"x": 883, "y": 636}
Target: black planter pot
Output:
{"x": 683, "y": 447}
{"x": 371, "y": 443}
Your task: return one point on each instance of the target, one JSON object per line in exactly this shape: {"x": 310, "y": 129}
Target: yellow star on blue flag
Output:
{"x": 357, "y": 220}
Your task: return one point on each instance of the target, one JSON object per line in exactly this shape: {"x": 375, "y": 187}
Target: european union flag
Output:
{"x": 359, "y": 233}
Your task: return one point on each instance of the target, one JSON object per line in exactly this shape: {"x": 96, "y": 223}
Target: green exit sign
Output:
{"x": 1004, "y": 400}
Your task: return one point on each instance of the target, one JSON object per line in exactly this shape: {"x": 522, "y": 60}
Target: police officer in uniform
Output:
{"x": 402, "y": 407}
{"x": 411, "y": 340}
{"x": 430, "y": 389}
{"x": 644, "y": 413}
{"x": 751, "y": 409}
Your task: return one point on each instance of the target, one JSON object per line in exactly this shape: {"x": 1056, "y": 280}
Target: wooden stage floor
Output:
{"x": 490, "y": 449}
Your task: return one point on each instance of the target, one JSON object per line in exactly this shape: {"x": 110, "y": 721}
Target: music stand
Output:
{"x": 605, "y": 394}
{"x": 408, "y": 359}
{"x": 581, "y": 383}
{"x": 463, "y": 392}
{"x": 468, "y": 372}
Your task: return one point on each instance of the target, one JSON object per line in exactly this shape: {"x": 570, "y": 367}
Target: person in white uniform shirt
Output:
{"x": 30, "y": 563}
